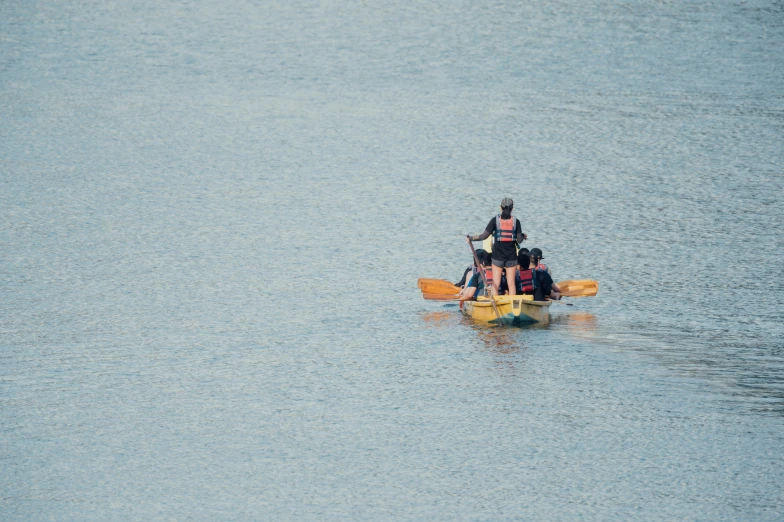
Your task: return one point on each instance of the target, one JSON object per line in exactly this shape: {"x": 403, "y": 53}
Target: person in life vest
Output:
{"x": 476, "y": 286}
{"x": 536, "y": 260}
{"x": 471, "y": 270}
{"x": 525, "y": 276}
{"x": 507, "y": 235}
{"x": 544, "y": 287}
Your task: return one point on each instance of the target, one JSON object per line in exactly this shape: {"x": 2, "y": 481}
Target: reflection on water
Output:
{"x": 501, "y": 341}
{"x": 577, "y": 323}
{"x": 441, "y": 319}
{"x": 504, "y": 344}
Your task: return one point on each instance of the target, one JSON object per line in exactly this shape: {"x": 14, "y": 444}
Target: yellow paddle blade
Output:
{"x": 578, "y": 287}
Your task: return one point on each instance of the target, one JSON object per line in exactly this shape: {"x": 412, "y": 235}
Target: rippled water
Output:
{"x": 214, "y": 215}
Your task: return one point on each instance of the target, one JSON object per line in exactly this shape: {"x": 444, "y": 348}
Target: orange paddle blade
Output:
{"x": 440, "y": 297}
{"x": 424, "y": 280}
{"x": 578, "y": 287}
{"x": 435, "y": 289}
{"x": 437, "y": 286}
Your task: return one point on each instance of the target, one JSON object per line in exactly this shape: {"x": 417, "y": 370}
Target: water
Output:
{"x": 214, "y": 215}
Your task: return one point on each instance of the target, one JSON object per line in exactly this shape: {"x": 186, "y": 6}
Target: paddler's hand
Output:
{"x": 525, "y": 237}
{"x": 468, "y": 239}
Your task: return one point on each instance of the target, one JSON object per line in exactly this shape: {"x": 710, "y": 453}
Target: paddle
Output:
{"x": 437, "y": 289}
{"x": 578, "y": 287}
{"x": 569, "y": 288}
{"x": 441, "y": 297}
{"x": 484, "y": 280}
{"x": 437, "y": 283}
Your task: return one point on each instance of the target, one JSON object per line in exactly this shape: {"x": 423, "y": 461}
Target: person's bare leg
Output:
{"x": 497, "y": 271}
{"x": 510, "y": 279}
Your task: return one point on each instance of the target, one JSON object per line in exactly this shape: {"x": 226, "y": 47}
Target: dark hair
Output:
{"x": 522, "y": 251}
{"x": 506, "y": 212}
{"x": 523, "y": 260}
{"x": 486, "y": 259}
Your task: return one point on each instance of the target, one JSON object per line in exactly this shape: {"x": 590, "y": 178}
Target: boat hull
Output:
{"x": 514, "y": 310}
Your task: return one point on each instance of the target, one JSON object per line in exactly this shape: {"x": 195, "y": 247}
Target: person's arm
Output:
{"x": 484, "y": 235}
{"x": 520, "y": 236}
{"x": 468, "y": 293}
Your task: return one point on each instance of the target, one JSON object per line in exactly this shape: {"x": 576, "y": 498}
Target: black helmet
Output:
{"x": 535, "y": 252}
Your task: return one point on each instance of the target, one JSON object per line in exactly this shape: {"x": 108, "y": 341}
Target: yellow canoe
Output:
{"x": 518, "y": 309}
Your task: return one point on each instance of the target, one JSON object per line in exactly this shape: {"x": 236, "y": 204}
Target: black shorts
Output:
{"x": 504, "y": 264}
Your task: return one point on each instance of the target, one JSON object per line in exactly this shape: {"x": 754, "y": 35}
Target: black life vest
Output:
{"x": 541, "y": 267}
{"x": 543, "y": 284}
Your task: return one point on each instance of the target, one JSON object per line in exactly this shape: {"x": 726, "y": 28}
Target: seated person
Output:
{"x": 525, "y": 276}
{"x": 536, "y": 261}
{"x": 475, "y": 286}
{"x": 471, "y": 269}
{"x": 544, "y": 287}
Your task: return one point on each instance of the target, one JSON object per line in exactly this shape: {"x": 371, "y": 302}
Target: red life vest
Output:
{"x": 489, "y": 275}
{"x": 505, "y": 229}
{"x": 485, "y": 289}
{"x": 526, "y": 280}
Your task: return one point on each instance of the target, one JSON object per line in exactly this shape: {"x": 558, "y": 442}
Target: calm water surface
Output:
{"x": 213, "y": 215}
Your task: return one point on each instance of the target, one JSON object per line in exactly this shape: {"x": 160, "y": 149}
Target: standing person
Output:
{"x": 507, "y": 234}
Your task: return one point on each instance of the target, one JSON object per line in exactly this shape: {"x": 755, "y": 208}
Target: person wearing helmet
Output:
{"x": 507, "y": 234}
